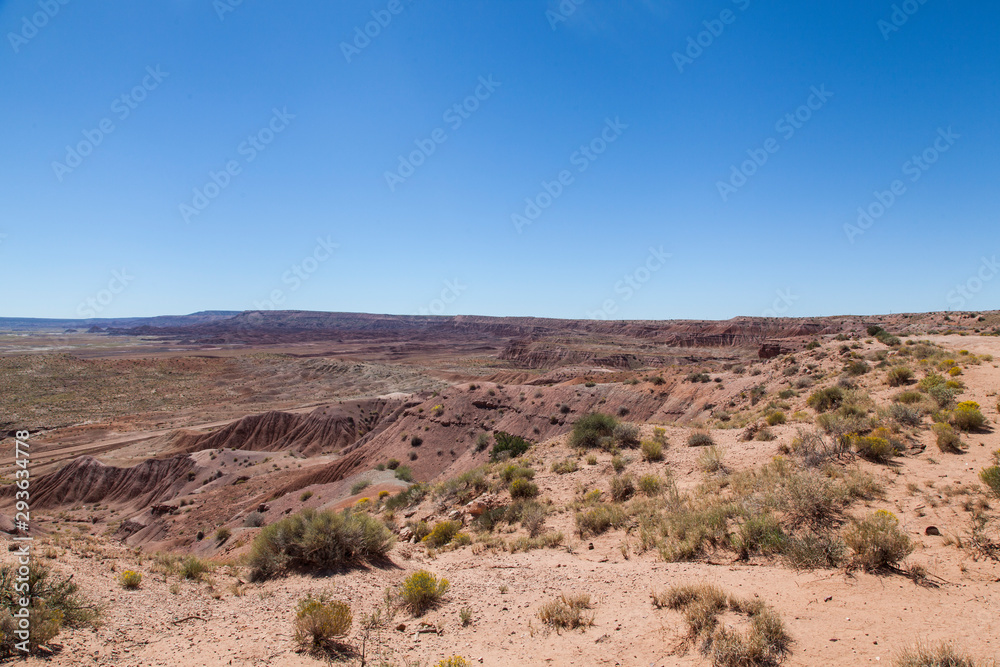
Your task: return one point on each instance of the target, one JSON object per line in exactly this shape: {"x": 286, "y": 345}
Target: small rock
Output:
{"x": 590, "y": 546}
{"x": 932, "y": 530}
{"x": 401, "y": 627}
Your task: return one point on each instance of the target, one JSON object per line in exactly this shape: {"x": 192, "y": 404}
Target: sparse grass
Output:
{"x": 254, "y": 520}
{"x": 320, "y": 623}
{"x": 599, "y": 519}
{"x": 465, "y": 615}
{"x": 565, "y": 466}
{"x": 877, "y": 543}
{"x": 711, "y": 460}
{"x": 420, "y": 591}
{"x": 899, "y": 376}
{"x": 942, "y": 655}
{"x": 650, "y": 485}
{"x": 764, "y": 642}
{"x": 823, "y": 400}
{"x": 523, "y": 488}
{"x": 567, "y": 612}
{"x": 360, "y": 486}
{"x": 222, "y": 534}
{"x": 776, "y": 418}
{"x": 991, "y": 477}
{"x": 306, "y": 495}
{"x": 317, "y": 540}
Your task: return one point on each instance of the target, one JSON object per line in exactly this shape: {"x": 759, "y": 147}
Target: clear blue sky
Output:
{"x": 556, "y": 81}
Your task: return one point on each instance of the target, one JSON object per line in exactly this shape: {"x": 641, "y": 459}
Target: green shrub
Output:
{"x": 991, "y": 477}
{"x": 700, "y": 439}
{"x": 760, "y": 534}
{"x": 319, "y": 623}
{"x": 622, "y": 488}
{"x": 482, "y": 442}
{"x": 523, "y": 488}
{"x": 593, "y": 430}
{"x": 404, "y": 473}
{"x": 651, "y": 450}
{"x": 392, "y": 464}
{"x": 876, "y": 542}
{"x": 306, "y": 495}
{"x": 513, "y": 471}
{"x": 618, "y": 462}
{"x": 360, "y": 486}
{"x": 711, "y": 460}
{"x": 317, "y": 540}
{"x": 508, "y": 446}
{"x": 899, "y": 376}
{"x": 823, "y": 400}
{"x": 967, "y": 417}
{"x": 222, "y": 534}
{"x": 776, "y": 418}
{"x": 909, "y": 397}
{"x": 53, "y": 602}
{"x": 416, "y": 441}
{"x": 455, "y": 660}
{"x": 442, "y": 533}
{"x": 904, "y": 415}
{"x": 421, "y": 590}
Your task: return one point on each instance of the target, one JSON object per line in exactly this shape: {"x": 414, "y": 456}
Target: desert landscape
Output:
{"x": 303, "y": 488}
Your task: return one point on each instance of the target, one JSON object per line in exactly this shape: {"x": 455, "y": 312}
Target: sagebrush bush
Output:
{"x": 593, "y": 430}
{"x": 567, "y": 612}
{"x": 319, "y": 622}
{"x": 453, "y": 661}
{"x": 194, "y": 568}
{"x": 776, "y": 418}
{"x": 421, "y": 590}
{"x": 599, "y": 519}
{"x": 626, "y": 435}
{"x": 650, "y": 485}
{"x": 130, "y": 579}
{"x": 909, "y": 397}
{"x": 711, "y": 460}
{"x": 508, "y": 446}
{"x": 317, "y": 540}
{"x": 254, "y": 520}
{"x": 651, "y": 450}
{"x": 876, "y": 542}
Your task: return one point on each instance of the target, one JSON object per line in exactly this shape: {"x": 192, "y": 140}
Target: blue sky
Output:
{"x": 643, "y": 109}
